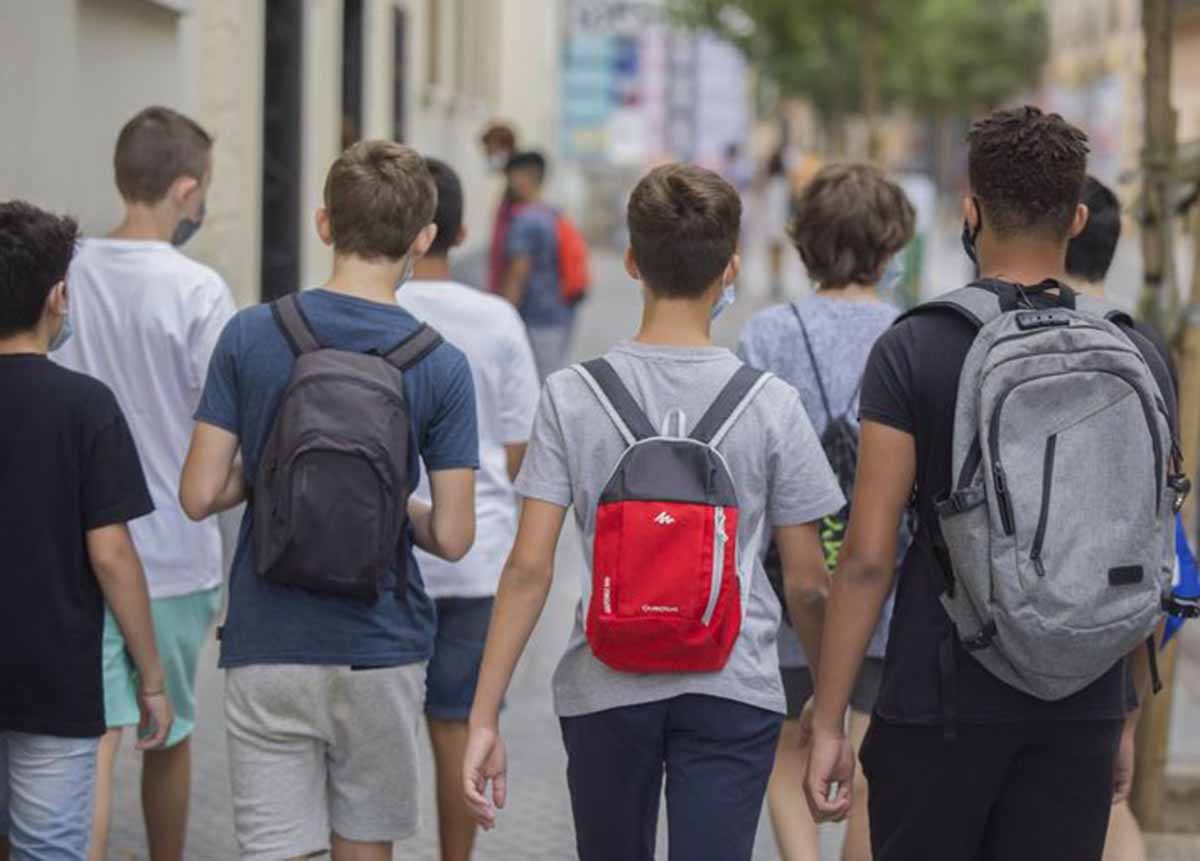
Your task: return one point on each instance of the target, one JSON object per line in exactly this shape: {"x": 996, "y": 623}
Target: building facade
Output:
{"x": 283, "y": 85}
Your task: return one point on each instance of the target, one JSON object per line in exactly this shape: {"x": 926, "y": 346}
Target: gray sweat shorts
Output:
{"x": 314, "y": 750}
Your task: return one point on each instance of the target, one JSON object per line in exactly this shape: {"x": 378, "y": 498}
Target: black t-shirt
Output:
{"x": 911, "y": 384}
{"x": 67, "y": 465}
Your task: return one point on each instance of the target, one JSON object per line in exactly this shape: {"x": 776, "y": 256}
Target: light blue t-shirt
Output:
{"x": 843, "y": 333}
{"x": 534, "y": 234}
{"x": 251, "y": 366}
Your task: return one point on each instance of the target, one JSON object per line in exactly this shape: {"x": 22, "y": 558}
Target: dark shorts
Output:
{"x": 453, "y": 672}
{"x": 715, "y": 754}
{"x": 798, "y": 687}
{"x": 1037, "y": 791}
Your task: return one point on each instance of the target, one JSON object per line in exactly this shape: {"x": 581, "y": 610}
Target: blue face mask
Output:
{"x": 893, "y": 276}
{"x": 65, "y": 331}
{"x": 728, "y": 297}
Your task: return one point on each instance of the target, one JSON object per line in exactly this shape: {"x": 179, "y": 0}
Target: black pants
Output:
{"x": 1002, "y": 792}
{"x": 717, "y": 756}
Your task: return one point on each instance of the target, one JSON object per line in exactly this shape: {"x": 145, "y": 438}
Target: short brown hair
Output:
{"x": 154, "y": 149}
{"x": 499, "y": 135}
{"x": 849, "y": 220}
{"x": 683, "y": 228}
{"x": 1027, "y": 169}
{"x": 379, "y": 195}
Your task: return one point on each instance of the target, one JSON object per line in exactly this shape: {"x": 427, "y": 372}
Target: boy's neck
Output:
{"x": 145, "y": 223}
{"x": 675, "y": 322}
{"x": 34, "y": 341}
{"x": 1087, "y": 288}
{"x": 432, "y": 267}
{"x": 365, "y": 279}
{"x": 1023, "y": 261}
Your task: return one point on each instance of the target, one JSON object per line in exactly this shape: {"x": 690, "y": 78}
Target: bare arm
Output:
{"x": 524, "y": 585}
{"x": 446, "y": 527}
{"x": 514, "y": 454}
{"x": 213, "y": 479}
{"x": 516, "y": 278}
{"x": 805, "y": 585}
{"x": 119, "y": 573}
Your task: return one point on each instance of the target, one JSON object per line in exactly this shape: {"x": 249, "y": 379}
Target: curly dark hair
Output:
{"x": 1027, "y": 168}
{"x": 35, "y": 251}
{"x": 849, "y": 221}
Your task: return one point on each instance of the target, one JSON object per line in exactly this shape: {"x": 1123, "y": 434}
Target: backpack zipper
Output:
{"x": 718, "y": 564}
{"x": 1039, "y": 537}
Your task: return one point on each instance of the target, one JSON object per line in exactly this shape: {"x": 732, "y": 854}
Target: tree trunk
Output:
{"x": 1158, "y": 158}
{"x": 870, "y": 59}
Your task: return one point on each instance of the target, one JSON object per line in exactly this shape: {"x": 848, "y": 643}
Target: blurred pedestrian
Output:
{"x": 72, "y": 484}
{"x": 777, "y": 211}
{"x": 849, "y": 227}
{"x": 675, "y": 671}
{"x": 532, "y": 257}
{"x": 146, "y": 319}
{"x": 329, "y": 624}
{"x": 499, "y": 143}
{"x": 490, "y": 332}
{"x": 961, "y": 762}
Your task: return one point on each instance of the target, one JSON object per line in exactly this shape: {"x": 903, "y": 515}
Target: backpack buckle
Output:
{"x": 1181, "y": 607}
{"x": 981, "y": 640}
{"x": 1182, "y": 485}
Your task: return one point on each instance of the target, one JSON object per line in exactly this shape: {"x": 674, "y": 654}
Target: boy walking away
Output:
{"x": 146, "y": 319}
{"x": 1004, "y": 726}
{"x": 72, "y": 482}
{"x": 850, "y": 223}
{"x": 532, "y": 265}
{"x": 334, "y": 397}
{"x": 489, "y": 331}
{"x": 678, "y": 461}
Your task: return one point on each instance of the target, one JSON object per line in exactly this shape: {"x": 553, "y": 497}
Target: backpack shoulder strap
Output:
{"x": 733, "y": 400}
{"x": 812, "y": 360}
{"x": 624, "y": 411}
{"x": 1094, "y": 307}
{"x": 974, "y": 303}
{"x": 413, "y": 348}
{"x": 294, "y": 326}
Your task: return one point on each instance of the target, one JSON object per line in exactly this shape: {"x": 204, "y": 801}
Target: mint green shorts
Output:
{"x": 182, "y": 625}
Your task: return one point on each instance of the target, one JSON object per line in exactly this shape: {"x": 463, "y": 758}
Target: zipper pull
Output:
{"x": 1006, "y": 517}
{"x": 1037, "y": 565}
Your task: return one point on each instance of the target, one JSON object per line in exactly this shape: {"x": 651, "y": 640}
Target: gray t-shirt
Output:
{"x": 779, "y": 470}
{"x": 842, "y": 334}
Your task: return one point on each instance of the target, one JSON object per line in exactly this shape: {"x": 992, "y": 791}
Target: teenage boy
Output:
{"x": 960, "y": 764}
{"x": 324, "y": 693}
{"x": 712, "y": 733}
{"x": 1089, "y": 256}
{"x": 489, "y": 331}
{"x": 531, "y": 266}
{"x": 72, "y": 482}
{"x": 146, "y": 319}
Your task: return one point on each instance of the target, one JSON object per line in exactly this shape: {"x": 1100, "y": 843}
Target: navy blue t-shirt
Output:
{"x": 272, "y": 624}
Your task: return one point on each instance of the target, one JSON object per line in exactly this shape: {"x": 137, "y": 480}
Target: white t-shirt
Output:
{"x": 145, "y": 320}
{"x": 490, "y": 332}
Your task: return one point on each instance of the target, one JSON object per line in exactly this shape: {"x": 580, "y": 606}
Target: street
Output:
{"x": 537, "y": 822}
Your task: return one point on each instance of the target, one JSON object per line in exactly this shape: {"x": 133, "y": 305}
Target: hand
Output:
{"x": 1123, "y": 769}
{"x": 156, "y": 720}
{"x": 485, "y": 760}
{"x": 831, "y": 762}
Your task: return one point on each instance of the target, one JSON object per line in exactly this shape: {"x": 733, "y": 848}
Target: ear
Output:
{"x": 970, "y": 212}
{"x": 183, "y": 187}
{"x": 1080, "y": 221}
{"x": 631, "y": 266}
{"x": 732, "y": 270}
{"x": 324, "y": 230}
{"x": 460, "y": 237}
{"x": 56, "y": 300}
{"x": 424, "y": 239}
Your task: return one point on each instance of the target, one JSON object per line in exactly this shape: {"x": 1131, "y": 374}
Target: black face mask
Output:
{"x": 970, "y": 237}
{"x": 187, "y": 227}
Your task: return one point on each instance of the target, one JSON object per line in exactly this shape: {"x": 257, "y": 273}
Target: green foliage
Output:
{"x": 936, "y": 56}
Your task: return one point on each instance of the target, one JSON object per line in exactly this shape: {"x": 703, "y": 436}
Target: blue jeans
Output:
{"x": 46, "y": 794}
{"x": 716, "y": 754}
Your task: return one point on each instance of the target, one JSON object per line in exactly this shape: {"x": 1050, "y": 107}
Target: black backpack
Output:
{"x": 331, "y": 494}
{"x": 840, "y": 442}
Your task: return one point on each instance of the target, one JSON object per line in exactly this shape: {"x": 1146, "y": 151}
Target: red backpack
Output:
{"x": 666, "y": 594}
{"x": 574, "y": 271}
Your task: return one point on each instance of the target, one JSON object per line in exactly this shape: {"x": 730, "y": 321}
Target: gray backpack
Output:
{"x": 331, "y": 493}
{"x": 1057, "y": 535}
